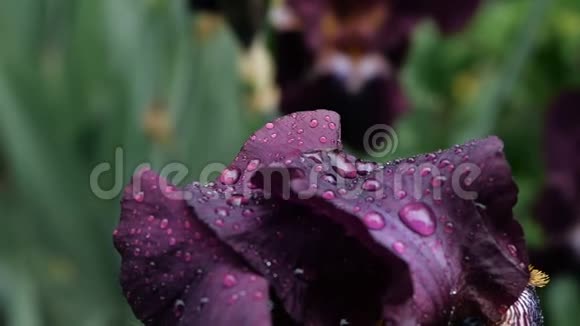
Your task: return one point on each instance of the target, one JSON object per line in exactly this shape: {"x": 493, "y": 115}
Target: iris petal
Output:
{"x": 448, "y": 215}
{"x": 174, "y": 270}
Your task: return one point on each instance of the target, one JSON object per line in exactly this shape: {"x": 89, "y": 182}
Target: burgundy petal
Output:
{"x": 557, "y": 209}
{"x": 284, "y": 139}
{"x": 174, "y": 270}
{"x": 448, "y": 215}
{"x": 450, "y": 15}
{"x": 322, "y": 274}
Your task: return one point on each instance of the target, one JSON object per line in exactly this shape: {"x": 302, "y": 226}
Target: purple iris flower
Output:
{"x": 345, "y": 55}
{"x": 297, "y": 232}
{"x": 557, "y": 208}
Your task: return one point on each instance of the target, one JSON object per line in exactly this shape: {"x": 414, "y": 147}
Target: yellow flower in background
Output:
{"x": 465, "y": 86}
{"x": 257, "y": 71}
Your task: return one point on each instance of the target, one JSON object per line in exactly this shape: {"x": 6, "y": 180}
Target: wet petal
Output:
{"x": 174, "y": 270}
{"x": 322, "y": 274}
{"x": 448, "y": 215}
{"x": 319, "y": 270}
{"x": 284, "y": 139}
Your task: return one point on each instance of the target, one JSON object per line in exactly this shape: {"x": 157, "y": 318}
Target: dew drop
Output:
{"x": 399, "y": 247}
{"x": 328, "y": 195}
{"x": 315, "y": 156}
{"x": 230, "y": 176}
{"x": 139, "y": 197}
{"x": 237, "y": 200}
{"x": 323, "y": 140}
{"x": 438, "y": 181}
{"x": 313, "y": 123}
{"x": 330, "y": 179}
{"x": 178, "y": 308}
{"x": 343, "y": 167}
{"x": 364, "y": 168}
{"x": 164, "y": 223}
{"x": 331, "y": 126}
{"x": 371, "y": 185}
{"x": 449, "y": 227}
{"x": 230, "y": 280}
{"x": 219, "y": 222}
{"x": 253, "y": 165}
{"x": 222, "y": 211}
{"x": 425, "y": 171}
{"x": 374, "y": 220}
{"x": 419, "y": 218}
{"x": 513, "y": 250}
{"x": 401, "y": 194}
{"x": 248, "y": 212}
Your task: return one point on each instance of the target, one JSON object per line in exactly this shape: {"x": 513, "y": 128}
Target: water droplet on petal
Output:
{"x": 237, "y": 200}
{"x": 401, "y": 194}
{"x": 222, "y": 211}
{"x": 371, "y": 185}
{"x": 164, "y": 223}
{"x": 513, "y": 250}
{"x": 331, "y": 126}
{"x": 248, "y": 212}
{"x": 315, "y": 156}
{"x": 328, "y": 195}
{"x": 230, "y": 176}
{"x": 219, "y": 222}
{"x": 438, "y": 181}
{"x": 419, "y": 218}
{"x": 374, "y": 220}
{"x": 178, "y": 308}
{"x": 364, "y": 168}
{"x": 269, "y": 125}
{"x": 313, "y": 123}
{"x": 342, "y": 166}
{"x": 330, "y": 179}
{"x": 323, "y": 140}
{"x": 230, "y": 280}
{"x": 139, "y": 197}
{"x": 449, "y": 227}
{"x": 399, "y": 247}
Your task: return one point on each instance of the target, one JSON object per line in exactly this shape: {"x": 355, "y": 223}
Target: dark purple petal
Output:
{"x": 557, "y": 209}
{"x": 448, "y": 215}
{"x": 450, "y": 15}
{"x": 320, "y": 271}
{"x": 174, "y": 270}
{"x": 562, "y": 138}
{"x": 287, "y": 138}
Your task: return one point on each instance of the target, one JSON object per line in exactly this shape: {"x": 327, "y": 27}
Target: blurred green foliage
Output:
{"x": 79, "y": 78}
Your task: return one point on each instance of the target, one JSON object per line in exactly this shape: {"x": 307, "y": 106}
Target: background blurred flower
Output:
{"x": 558, "y": 208}
{"x": 368, "y": 244}
{"x": 346, "y": 55}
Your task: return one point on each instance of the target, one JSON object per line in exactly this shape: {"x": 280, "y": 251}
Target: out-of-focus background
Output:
{"x": 83, "y": 82}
